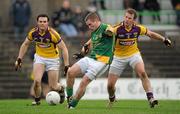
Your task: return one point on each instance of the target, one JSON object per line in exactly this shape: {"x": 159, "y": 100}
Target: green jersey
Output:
{"x": 102, "y": 45}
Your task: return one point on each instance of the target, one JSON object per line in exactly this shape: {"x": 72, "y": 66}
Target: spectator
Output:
{"x": 138, "y": 5}
{"x": 78, "y": 21}
{"x": 63, "y": 20}
{"x": 20, "y": 12}
{"x": 154, "y": 7}
{"x": 127, "y": 4}
{"x": 176, "y": 7}
{"x": 54, "y": 19}
{"x": 102, "y": 4}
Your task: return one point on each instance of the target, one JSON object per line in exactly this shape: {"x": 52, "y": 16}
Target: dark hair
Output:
{"x": 92, "y": 16}
{"x": 132, "y": 11}
{"x": 42, "y": 15}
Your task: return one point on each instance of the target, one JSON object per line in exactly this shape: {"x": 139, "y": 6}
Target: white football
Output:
{"x": 53, "y": 98}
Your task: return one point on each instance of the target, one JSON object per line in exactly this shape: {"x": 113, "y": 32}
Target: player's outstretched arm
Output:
{"x": 22, "y": 51}
{"x": 65, "y": 55}
{"x": 157, "y": 36}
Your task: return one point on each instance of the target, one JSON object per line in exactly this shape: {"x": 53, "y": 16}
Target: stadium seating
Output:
{"x": 12, "y": 84}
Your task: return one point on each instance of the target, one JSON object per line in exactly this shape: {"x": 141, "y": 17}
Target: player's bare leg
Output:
{"x": 111, "y": 88}
{"x": 32, "y": 90}
{"x": 53, "y": 76}
{"x": 140, "y": 70}
{"x": 38, "y": 70}
{"x": 80, "y": 92}
{"x": 45, "y": 89}
{"x": 71, "y": 74}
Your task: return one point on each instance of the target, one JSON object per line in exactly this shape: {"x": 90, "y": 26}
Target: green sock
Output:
{"x": 69, "y": 91}
{"x": 74, "y": 102}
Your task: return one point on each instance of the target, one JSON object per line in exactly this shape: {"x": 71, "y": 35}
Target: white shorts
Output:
{"x": 92, "y": 68}
{"x": 50, "y": 64}
{"x": 119, "y": 64}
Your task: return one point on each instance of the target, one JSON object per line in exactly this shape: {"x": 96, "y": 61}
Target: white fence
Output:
{"x": 132, "y": 89}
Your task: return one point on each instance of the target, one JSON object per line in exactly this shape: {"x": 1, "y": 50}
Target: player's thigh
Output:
{"x": 74, "y": 70}
{"x": 38, "y": 70}
{"x": 136, "y": 62}
{"x": 52, "y": 64}
{"x": 96, "y": 69}
{"x": 118, "y": 65}
{"x": 53, "y": 77}
{"x": 139, "y": 68}
{"x": 80, "y": 67}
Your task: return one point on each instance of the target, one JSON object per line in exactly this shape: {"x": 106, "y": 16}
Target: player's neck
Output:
{"x": 41, "y": 31}
{"x": 128, "y": 26}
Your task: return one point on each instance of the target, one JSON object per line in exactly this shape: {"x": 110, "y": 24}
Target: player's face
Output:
{"x": 92, "y": 24}
{"x": 128, "y": 19}
{"x": 42, "y": 23}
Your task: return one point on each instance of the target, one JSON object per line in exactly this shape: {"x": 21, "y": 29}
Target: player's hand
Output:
{"x": 109, "y": 31}
{"x": 66, "y": 69}
{"x": 167, "y": 42}
{"x": 18, "y": 64}
{"x": 78, "y": 55}
{"x": 86, "y": 48}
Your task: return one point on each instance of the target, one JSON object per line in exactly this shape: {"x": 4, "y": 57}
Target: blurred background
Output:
{"x": 17, "y": 17}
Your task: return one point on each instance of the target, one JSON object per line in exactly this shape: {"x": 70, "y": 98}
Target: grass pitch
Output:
{"x": 22, "y": 106}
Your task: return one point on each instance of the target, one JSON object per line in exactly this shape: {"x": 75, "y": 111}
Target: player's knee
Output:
{"x": 70, "y": 73}
{"x": 53, "y": 86}
{"x": 143, "y": 75}
{"x": 37, "y": 83}
{"x": 110, "y": 85}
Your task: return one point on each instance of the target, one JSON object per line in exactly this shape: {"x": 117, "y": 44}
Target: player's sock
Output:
{"x": 62, "y": 95}
{"x": 149, "y": 95}
{"x": 152, "y": 101}
{"x": 37, "y": 99}
{"x": 112, "y": 98}
{"x": 73, "y": 103}
{"x": 69, "y": 91}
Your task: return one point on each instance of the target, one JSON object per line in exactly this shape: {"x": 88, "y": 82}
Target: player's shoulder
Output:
{"x": 118, "y": 25}
{"x": 139, "y": 25}
{"x": 142, "y": 28}
{"x": 53, "y": 32}
{"x": 33, "y": 29}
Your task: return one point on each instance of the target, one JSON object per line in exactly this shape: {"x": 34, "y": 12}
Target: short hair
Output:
{"x": 42, "y": 15}
{"x": 132, "y": 11}
{"x": 92, "y": 16}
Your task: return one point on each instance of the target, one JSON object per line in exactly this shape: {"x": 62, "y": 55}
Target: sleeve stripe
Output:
{"x": 29, "y": 39}
{"x": 55, "y": 33}
{"x": 59, "y": 40}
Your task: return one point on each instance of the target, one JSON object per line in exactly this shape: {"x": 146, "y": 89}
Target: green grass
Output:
{"x": 90, "y": 107}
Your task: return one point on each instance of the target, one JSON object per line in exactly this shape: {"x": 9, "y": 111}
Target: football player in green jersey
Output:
{"x": 96, "y": 63}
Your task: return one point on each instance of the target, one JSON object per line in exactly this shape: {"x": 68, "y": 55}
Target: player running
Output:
{"x": 126, "y": 52}
{"x": 96, "y": 63}
{"x": 48, "y": 43}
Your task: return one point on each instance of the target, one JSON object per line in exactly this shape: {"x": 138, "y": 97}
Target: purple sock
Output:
{"x": 37, "y": 99}
{"x": 149, "y": 95}
{"x": 112, "y": 98}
